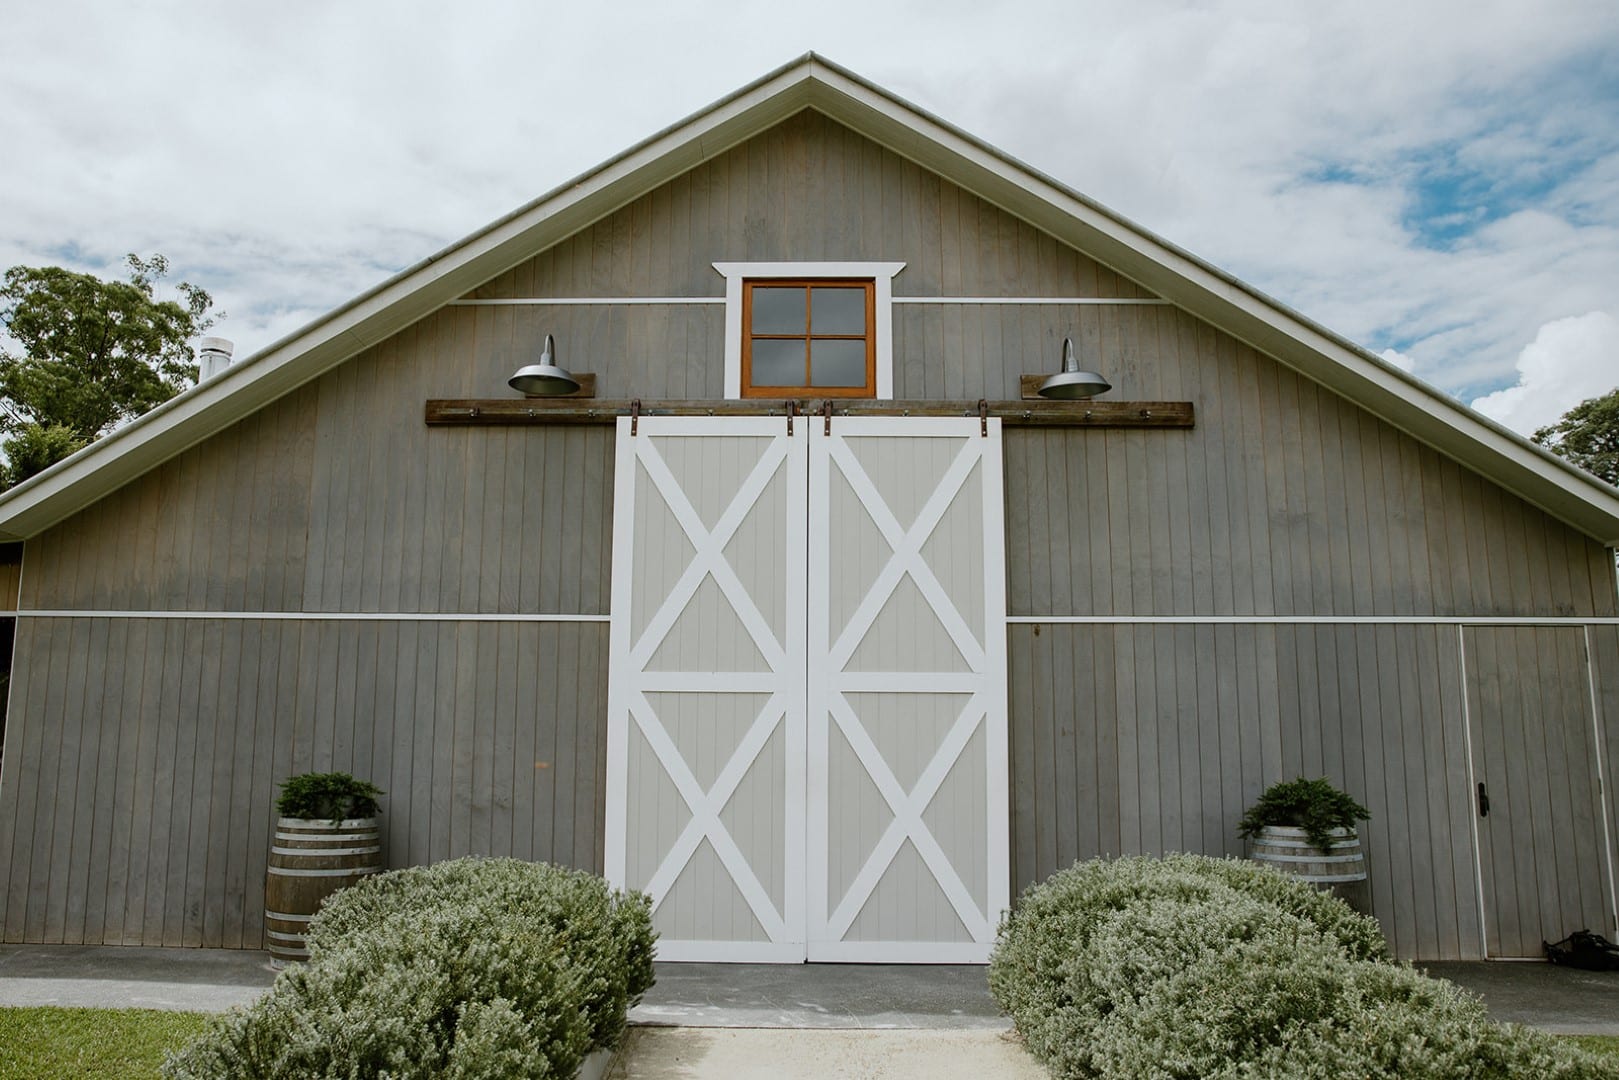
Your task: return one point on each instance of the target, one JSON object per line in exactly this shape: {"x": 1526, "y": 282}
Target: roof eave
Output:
{"x": 812, "y": 81}
{"x": 1427, "y": 414}
{"x": 418, "y": 291}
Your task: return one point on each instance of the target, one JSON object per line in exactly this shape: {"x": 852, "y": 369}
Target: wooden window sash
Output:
{"x": 869, "y": 288}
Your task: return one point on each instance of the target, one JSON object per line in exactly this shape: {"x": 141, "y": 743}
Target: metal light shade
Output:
{"x": 544, "y": 379}
{"x": 1071, "y": 383}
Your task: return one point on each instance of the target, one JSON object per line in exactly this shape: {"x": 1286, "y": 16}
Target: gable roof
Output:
{"x": 814, "y": 82}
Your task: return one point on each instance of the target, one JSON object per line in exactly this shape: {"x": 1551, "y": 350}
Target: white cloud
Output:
{"x": 1569, "y": 361}
{"x": 288, "y": 159}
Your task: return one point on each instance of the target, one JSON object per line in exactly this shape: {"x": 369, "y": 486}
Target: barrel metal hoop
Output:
{"x": 283, "y": 916}
{"x": 317, "y": 824}
{"x": 345, "y": 871}
{"x": 283, "y": 936}
{"x": 326, "y": 838}
{"x": 1265, "y": 856}
{"x": 321, "y": 852}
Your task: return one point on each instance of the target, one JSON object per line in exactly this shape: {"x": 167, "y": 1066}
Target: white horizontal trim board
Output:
{"x": 556, "y": 301}
{"x": 736, "y": 681}
{"x": 1318, "y": 620}
{"x": 552, "y": 301}
{"x": 311, "y": 616}
{"x": 1064, "y": 300}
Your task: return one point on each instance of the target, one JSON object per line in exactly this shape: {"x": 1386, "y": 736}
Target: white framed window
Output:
{"x": 742, "y": 278}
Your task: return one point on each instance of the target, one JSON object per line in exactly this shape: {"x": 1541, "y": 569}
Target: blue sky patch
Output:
{"x": 1450, "y": 198}
{"x": 1526, "y": 142}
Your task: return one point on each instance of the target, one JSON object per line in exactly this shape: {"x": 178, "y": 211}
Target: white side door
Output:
{"x": 908, "y": 802}
{"x": 705, "y": 776}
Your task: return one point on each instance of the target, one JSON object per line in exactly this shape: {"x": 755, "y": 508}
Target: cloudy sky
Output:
{"x": 1435, "y": 179}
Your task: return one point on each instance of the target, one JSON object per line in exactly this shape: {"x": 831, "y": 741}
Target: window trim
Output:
{"x": 880, "y": 274}
{"x": 751, "y": 388}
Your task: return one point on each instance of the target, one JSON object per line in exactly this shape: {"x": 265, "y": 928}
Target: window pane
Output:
{"x": 778, "y": 311}
{"x": 838, "y": 363}
{"x": 778, "y": 363}
{"x": 838, "y": 311}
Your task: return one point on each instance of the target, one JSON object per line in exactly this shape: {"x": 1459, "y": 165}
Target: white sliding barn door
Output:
{"x": 705, "y": 777}
{"x": 807, "y": 750}
{"x": 908, "y": 798}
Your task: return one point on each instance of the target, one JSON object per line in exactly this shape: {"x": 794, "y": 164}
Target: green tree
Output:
{"x": 1588, "y": 435}
{"x": 82, "y": 355}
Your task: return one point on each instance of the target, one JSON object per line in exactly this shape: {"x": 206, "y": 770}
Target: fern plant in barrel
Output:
{"x": 327, "y": 837}
{"x": 1308, "y": 828}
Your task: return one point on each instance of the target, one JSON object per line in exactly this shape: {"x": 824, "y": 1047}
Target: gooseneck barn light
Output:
{"x": 1070, "y": 383}
{"x": 544, "y": 379}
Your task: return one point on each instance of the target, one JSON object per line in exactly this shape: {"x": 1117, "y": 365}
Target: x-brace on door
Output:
{"x": 807, "y": 729}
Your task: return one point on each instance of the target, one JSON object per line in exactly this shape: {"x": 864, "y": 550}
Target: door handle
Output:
{"x": 1483, "y": 801}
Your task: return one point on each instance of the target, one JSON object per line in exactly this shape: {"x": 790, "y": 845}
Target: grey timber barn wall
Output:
{"x": 143, "y": 748}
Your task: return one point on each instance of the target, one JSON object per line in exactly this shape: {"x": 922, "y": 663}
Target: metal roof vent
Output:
{"x": 213, "y": 356}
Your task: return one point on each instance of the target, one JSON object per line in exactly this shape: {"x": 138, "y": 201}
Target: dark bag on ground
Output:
{"x": 1583, "y": 949}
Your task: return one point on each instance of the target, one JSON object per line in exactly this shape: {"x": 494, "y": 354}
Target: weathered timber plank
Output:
{"x": 124, "y": 657}
{"x": 488, "y": 412}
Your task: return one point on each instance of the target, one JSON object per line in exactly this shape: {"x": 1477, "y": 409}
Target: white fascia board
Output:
{"x": 255, "y": 381}
{"x": 1427, "y": 414}
{"x": 811, "y": 81}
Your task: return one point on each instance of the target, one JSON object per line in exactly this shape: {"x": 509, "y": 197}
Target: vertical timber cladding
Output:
{"x": 807, "y": 733}
{"x": 1545, "y": 867}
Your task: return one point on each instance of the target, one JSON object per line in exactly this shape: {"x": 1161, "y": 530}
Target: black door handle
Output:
{"x": 1483, "y": 801}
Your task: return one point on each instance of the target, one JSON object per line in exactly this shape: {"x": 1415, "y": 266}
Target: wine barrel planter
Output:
{"x": 309, "y": 861}
{"x": 1341, "y": 869}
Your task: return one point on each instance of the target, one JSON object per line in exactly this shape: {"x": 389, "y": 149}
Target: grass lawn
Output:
{"x": 1607, "y": 1045}
{"x": 48, "y": 1043}
{"x": 129, "y": 1044}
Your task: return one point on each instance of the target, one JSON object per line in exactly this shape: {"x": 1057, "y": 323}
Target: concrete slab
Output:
{"x": 654, "y": 1053}
{"x": 821, "y": 996}
{"x": 1563, "y": 1000}
{"x": 110, "y": 977}
{"x": 802, "y": 996}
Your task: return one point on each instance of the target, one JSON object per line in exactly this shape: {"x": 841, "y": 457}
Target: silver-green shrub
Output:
{"x": 606, "y": 935}
{"x": 475, "y": 968}
{"x": 1191, "y": 967}
{"x": 1045, "y": 971}
{"x": 1266, "y": 1008}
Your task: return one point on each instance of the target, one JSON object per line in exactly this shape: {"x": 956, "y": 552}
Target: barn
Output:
{"x": 805, "y": 611}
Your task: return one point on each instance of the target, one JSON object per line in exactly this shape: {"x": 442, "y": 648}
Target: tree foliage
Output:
{"x": 82, "y": 355}
{"x": 33, "y": 448}
{"x": 1588, "y": 435}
